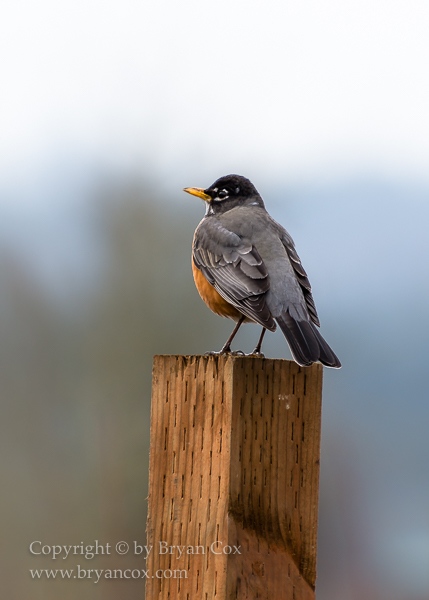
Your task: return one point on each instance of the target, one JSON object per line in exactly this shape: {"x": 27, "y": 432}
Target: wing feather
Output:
{"x": 301, "y": 276}
{"x": 234, "y": 268}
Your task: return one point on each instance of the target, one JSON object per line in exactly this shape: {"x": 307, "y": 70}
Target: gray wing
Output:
{"x": 301, "y": 275}
{"x": 234, "y": 268}
{"x": 306, "y": 343}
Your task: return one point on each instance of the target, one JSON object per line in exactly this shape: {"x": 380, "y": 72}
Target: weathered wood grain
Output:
{"x": 234, "y": 463}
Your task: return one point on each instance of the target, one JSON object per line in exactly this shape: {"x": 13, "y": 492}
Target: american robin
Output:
{"x": 246, "y": 268}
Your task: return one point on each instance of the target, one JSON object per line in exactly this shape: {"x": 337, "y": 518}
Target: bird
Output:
{"x": 246, "y": 268}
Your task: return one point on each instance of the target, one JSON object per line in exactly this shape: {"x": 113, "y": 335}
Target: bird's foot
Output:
{"x": 256, "y": 354}
{"x": 227, "y": 351}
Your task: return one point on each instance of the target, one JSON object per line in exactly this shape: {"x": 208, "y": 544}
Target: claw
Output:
{"x": 256, "y": 354}
{"x": 225, "y": 351}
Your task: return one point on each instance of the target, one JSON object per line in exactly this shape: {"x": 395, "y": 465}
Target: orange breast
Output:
{"x": 212, "y": 298}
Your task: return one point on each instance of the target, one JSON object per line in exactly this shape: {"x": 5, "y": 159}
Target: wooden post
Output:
{"x": 234, "y": 478}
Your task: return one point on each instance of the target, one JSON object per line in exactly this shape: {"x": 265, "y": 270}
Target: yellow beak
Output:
{"x": 198, "y": 192}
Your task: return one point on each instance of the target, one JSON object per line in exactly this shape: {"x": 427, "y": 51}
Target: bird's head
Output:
{"x": 227, "y": 193}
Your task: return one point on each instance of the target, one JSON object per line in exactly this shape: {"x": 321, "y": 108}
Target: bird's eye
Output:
{"x": 237, "y": 190}
{"x": 222, "y": 194}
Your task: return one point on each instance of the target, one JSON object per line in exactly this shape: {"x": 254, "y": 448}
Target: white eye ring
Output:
{"x": 219, "y": 198}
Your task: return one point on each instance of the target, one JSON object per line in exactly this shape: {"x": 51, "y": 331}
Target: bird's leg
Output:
{"x": 257, "y": 350}
{"x": 226, "y": 349}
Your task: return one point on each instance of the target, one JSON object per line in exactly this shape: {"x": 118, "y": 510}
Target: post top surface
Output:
{"x": 223, "y": 359}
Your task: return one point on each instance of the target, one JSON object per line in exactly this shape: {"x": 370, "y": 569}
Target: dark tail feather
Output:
{"x": 306, "y": 343}
{"x": 327, "y": 356}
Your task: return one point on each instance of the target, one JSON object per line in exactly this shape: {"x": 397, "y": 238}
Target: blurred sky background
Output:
{"x": 109, "y": 109}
